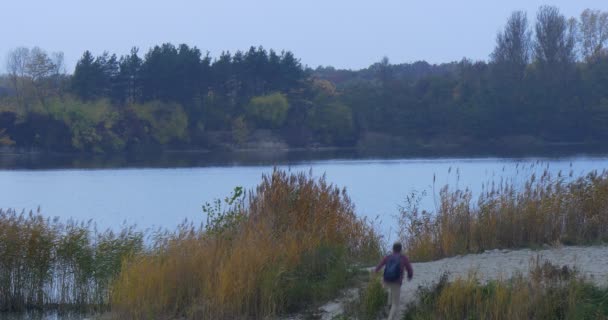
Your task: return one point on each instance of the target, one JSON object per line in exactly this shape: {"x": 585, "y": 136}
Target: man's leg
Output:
{"x": 395, "y": 297}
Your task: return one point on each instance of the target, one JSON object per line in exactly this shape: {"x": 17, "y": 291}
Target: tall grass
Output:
{"x": 373, "y": 299}
{"x": 547, "y": 210}
{"x": 289, "y": 243}
{"x": 549, "y": 292}
{"x": 48, "y": 264}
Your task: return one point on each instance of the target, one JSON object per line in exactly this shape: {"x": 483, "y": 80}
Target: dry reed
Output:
{"x": 547, "y": 210}
{"x": 290, "y": 243}
{"x": 48, "y": 264}
{"x": 549, "y": 292}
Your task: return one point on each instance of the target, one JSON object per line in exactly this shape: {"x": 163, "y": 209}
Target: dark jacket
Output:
{"x": 405, "y": 265}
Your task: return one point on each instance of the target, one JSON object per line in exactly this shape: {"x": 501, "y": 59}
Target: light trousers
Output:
{"x": 394, "y": 291}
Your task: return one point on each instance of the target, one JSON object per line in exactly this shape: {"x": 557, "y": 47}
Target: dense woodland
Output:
{"x": 546, "y": 82}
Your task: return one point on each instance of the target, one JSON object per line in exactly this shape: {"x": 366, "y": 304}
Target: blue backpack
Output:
{"x": 392, "y": 269}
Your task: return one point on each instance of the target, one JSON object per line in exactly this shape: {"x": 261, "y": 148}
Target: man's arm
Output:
{"x": 382, "y": 263}
{"x": 408, "y": 267}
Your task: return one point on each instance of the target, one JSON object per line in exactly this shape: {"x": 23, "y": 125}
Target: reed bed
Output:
{"x": 549, "y": 292}
{"x": 66, "y": 266}
{"x": 547, "y": 210}
{"x": 288, "y": 244}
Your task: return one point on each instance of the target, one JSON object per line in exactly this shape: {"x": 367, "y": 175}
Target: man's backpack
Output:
{"x": 392, "y": 269}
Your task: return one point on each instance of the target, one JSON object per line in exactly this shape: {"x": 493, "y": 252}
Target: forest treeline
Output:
{"x": 545, "y": 82}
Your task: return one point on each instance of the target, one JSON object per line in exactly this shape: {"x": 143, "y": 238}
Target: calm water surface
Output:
{"x": 164, "y": 197}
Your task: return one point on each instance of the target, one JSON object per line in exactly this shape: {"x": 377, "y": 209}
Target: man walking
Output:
{"x": 394, "y": 266}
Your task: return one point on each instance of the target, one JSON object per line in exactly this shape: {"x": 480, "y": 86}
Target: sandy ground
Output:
{"x": 592, "y": 262}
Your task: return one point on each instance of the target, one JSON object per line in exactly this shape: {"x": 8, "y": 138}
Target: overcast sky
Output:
{"x": 342, "y": 33}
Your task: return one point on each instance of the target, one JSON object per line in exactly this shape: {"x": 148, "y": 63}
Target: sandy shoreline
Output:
{"x": 591, "y": 262}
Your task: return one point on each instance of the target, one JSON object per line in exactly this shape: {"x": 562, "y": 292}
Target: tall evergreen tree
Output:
{"x": 85, "y": 79}
{"x": 128, "y": 87}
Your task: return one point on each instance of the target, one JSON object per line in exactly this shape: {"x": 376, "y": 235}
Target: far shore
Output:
{"x": 32, "y": 158}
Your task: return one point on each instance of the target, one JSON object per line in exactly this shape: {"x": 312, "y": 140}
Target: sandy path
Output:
{"x": 592, "y": 262}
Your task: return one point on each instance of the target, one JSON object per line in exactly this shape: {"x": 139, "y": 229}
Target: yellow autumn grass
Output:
{"x": 547, "y": 210}
{"x": 549, "y": 292}
{"x": 289, "y": 243}
{"x": 46, "y": 263}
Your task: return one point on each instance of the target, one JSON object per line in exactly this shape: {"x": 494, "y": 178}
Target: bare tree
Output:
{"x": 555, "y": 38}
{"x": 513, "y": 44}
{"x": 40, "y": 65}
{"x": 58, "y": 73}
{"x": 58, "y": 61}
{"x": 39, "y": 70}
{"x": 573, "y": 35}
{"x": 16, "y": 65}
{"x": 33, "y": 72}
{"x": 593, "y": 28}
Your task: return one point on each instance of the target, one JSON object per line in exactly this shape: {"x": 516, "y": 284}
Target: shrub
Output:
{"x": 240, "y": 132}
{"x": 332, "y": 123}
{"x": 5, "y": 140}
{"x": 91, "y": 124}
{"x": 270, "y": 110}
{"x": 166, "y": 121}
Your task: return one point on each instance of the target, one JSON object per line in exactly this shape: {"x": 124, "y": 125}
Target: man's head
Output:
{"x": 397, "y": 247}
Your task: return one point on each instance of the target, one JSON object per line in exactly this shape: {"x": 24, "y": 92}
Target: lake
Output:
{"x": 164, "y": 196}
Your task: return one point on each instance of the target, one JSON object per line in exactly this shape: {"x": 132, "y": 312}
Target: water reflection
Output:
{"x": 49, "y": 315}
{"x": 184, "y": 159}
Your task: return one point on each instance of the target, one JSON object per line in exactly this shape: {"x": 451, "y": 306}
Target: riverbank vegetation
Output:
{"x": 291, "y": 243}
{"x": 546, "y": 210}
{"x": 545, "y": 83}
{"x": 68, "y": 266}
{"x": 294, "y": 242}
{"x": 546, "y": 291}
{"x": 549, "y": 292}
